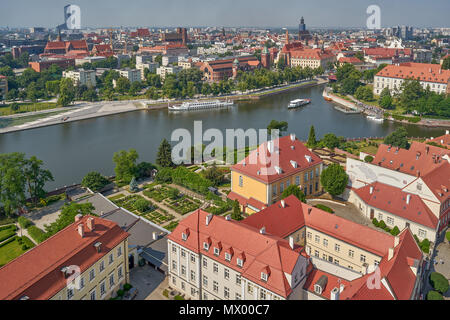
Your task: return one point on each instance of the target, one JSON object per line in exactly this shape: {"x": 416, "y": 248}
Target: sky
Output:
{"x": 227, "y": 13}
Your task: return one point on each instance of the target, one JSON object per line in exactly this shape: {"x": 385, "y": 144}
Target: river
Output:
{"x": 72, "y": 149}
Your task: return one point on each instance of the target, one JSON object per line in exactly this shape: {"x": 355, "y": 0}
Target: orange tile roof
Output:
{"x": 419, "y": 71}
{"x": 289, "y": 151}
{"x": 442, "y": 140}
{"x": 37, "y": 273}
{"x": 393, "y": 200}
{"x": 316, "y": 54}
{"x": 259, "y": 251}
{"x": 420, "y": 158}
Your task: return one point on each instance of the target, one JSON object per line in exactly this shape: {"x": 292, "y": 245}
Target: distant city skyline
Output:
{"x": 230, "y": 13}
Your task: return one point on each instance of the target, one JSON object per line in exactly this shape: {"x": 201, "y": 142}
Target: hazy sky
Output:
{"x": 270, "y": 13}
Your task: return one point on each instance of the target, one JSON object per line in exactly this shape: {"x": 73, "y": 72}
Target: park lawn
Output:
{"x": 18, "y": 121}
{"x": 117, "y": 196}
{"x": 7, "y": 220}
{"x": 7, "y": 233}
{"x": 28, "y": 107}
{"x": 369, "y": 149}
{"x": 12, "y": 250}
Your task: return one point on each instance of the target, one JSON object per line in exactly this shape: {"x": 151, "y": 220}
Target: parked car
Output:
{"x": 130, "y": 294}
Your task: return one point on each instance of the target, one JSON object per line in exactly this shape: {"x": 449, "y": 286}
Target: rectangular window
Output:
{"x": 183, "y": 270}
{"x": 380, "y": 217}
{"x": 192, "y": 292}
{"x": 205, "y": 281}
{"x": 297, "y": 180}
{"x": 120, "y": 272}
{"x": 422, "y": 233}
{"x": 311, "y": 175}
{"x": 205, "y": 263}
{"x": 317, "y": 238}
{"x": 102, "y": 266}
{"x": 238, "y": 279}
{"x": 281, "y": 187}
{"x": 226, "y": 292}
{"x": 363, "y": 258}
{"x": 93, "y": 297}
{"x": 390, "y": 221}
{"x": 205, "y": 296}
{"x": 262, "y": 294}
{"x": 174, "y": 249}
{"x": 238, "y": 296}
{"x": 288, "y": 182}
{"x": 216, "y": 286}
{"x": 226, "y": 273}
{"x": 317, "y": 172}
{"x": 317, "y": 186}
{"x": 274, "y": 189}
{"x": 69, "y": 293}
{"x": 351, "y": 253}
{"x": 309, "y": 235}
{"x": 241, "y": 181}
{"x": 111, "y": 281}
{"x": 192, "y": 258}
{"x": 325, "y": 242}
{"x": 183, "y": 253}
{"x": 192, "y": 275}
{"x": 215, "y": 267}
{"x": 92, "y": 275}
{"x": 102, "y": 289}
{"x": 174, "y": 265}
{"x": 310, "y": 189}
{"x": 119, "y": 251}
{"x": 306, "y": 177}
{"x": 111, "y": 258}
{"x": 337, "y": 247}
{"x": 81, "y": 283}
{"x": 316, "y": 253}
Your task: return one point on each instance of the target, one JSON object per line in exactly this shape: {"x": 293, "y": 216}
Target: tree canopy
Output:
{"x": 334, "y": 179}
{"x": 94, "y": 181}
{"x": 125, "y": 164}
{"x": 398, "y": 138}
{"x": 164, "y": 156}
{"x": 294, "y": 190}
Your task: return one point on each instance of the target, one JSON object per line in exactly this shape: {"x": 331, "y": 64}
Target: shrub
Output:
{"x": 120, "y": 293}
{"x": 395, "y": 231}
{"x": 24, "y": 222}
{"x": 127, "y": 286}
{"x": 324, "y": 208}
{"x": 141, "y": 205}
{"x": 368, "y": 158}
{"x": 381, "y": 224}
{"x": 24, "y": 247}
{"x": 375, "y": 222}
{"x": 434, "y": 295}
{"x": 178, "y": 297}
{"x": 37, "y": 234}
{"x": 439, "y": 282}
{"x": 425, "y": 245}
{"x": 94, "y": 181}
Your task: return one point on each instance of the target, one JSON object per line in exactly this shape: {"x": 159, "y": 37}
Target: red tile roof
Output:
{"x": 352, "y": 60}
{"x": 289, "y": 151}
{"x": 438, "y": 180}
{"x": 259, "y": 251}
{"x": 442, "y": 140}
{"x": 386, "y": 52}
{"x": 37, "y": 273}
{"x": 281, "y": 222}
{"x": 393, "y": 200}
{"x": 333, "y": 282}
{"x": 420, "y": 71}
{"x": 417, "y": 159}
{"x": 315, "y": 54}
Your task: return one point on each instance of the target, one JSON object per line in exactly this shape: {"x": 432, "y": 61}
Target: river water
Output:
{"x": 72, "y": 149}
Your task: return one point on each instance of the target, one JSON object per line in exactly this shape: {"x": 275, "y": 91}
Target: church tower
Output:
{"x": 287, "y": 36}
{"x": 265, "y": 58}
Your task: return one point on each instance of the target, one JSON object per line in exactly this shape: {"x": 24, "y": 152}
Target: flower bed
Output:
{"x": 183, "y": 205}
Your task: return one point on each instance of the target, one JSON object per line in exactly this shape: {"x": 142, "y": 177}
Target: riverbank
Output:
{"x": 376, "y": 111}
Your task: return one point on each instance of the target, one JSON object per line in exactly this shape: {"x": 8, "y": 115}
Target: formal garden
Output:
{"x": 137, "y": 204}
{"x": 11, "y": 245}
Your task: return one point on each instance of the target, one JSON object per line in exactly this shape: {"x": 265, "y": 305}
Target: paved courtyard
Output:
{"x": 146, "y": 279}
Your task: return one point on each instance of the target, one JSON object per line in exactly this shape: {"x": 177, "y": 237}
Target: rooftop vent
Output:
{"x": 262, "y": 230}
{"x": 283, "y": 204}
{"x": 308, "y": 158}
{"x": 228, "y": 217}
{"x": 98, "y": 246}
{"x": 208, "y": 218}
{"x": 292, "y": 135}
{"x": 294, "y": 164}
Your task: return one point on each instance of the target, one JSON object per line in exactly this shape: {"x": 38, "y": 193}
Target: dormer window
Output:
{"x": 227, "y": 256}
{"x": 205, "y": 246}
{"x": 216, "y": 251}
{"x": 184, "y": 236}
{"x": 240, "y": 262}
{"x": 264, "y": 276}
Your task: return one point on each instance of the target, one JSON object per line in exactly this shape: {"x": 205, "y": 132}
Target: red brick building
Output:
{"x": 222, "y": 69}
{"x": 43, "y": 65}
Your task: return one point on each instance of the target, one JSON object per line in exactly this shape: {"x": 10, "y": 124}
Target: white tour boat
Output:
{"x": 298, "y": 103}
{"x": 200, "y": 105}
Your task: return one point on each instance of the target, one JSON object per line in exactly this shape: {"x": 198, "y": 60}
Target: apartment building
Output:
{"x": 163, "y": 71}
{"x": 428, "y": 75}
{"x": 255, "y": 184}
{"x": 151, "y": 66}
{"x": 214, "y": 257}
{"x": 132, "y": 75}
{"x": 410, "y": 188}
{"x": 291, "y": 251}
{"x": 345, "y": 254}
{"x": 81, "y": 77}
{"x": 3, "y": 86}
{"x": 88, "y": 260}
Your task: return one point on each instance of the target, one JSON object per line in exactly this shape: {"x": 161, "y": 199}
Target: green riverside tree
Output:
{"x": 125, "y": 164}
{"x": 294, "y": 190}
{"x": 164, "y": 156}
{"x": 312, "y": 142}
{"x": 398, "y": 138}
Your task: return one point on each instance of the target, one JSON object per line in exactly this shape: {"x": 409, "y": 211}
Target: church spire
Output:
{"x": 287, "y": 36}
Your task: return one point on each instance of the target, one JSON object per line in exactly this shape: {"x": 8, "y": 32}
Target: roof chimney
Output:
{"x": 81, "y": 230}
{"x": 262, "y": 230}
{"x": 334, "y": 294}
{"x": 292, "y": 135}
{"x": 283, "y": 204}
{"x": 98, "y": 246}
{"x": 408, "y": 198}
{"x": 78, "y": 217}
{"x": 291, "y": 242}
{"x": 390, "y": 253}
{"x": 208, "y": 218}
{"x": 371, "y": 190}
{"x": 91, "y": 223}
